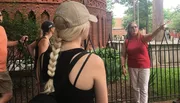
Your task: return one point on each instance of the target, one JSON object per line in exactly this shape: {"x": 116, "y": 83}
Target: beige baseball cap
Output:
{"x": 71, "y": 14}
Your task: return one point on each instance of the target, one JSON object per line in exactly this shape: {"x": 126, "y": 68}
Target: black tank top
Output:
{"x": 37, "y": 51}
{"x": 64, "y": 90}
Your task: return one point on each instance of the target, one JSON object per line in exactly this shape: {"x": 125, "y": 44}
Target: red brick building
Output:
{"x": 118, "y": 30}
{"x": 42, "y": 10}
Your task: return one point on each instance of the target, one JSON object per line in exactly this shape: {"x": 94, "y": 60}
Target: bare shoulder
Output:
{"x": 96, "y": 64}
{"x": 3, "y": 32}
{"x": 96, "y": 59}
{"x": 2, "y": 28}
{"x": 43, "y": 42}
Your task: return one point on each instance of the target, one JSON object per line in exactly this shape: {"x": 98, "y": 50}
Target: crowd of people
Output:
{"x": 67, "y": 72}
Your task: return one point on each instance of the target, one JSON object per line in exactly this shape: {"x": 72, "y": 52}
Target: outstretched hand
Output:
{"x": 162, "y": 26}
{"x": 24, "y": 39}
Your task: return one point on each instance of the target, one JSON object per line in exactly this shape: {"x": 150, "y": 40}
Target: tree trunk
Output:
{"x": 134, "y": 11}
{"x": 158, "y": 17}
{"x": 147, "y": 17}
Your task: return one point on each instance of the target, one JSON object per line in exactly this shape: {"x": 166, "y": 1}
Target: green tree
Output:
{"x": 145, "y": 12}
{"x": 175, "y": 22}
{"x": 173, "y": 16}
{"x": 16, "y": 28}
{"x": 167, "y": 14}
{"x": 109, "y": 5}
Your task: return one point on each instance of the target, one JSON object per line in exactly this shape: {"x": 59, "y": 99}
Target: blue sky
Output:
{"x": 118, "y": 10}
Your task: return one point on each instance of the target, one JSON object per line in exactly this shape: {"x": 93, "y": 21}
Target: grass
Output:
{"x": 165, "y": 82}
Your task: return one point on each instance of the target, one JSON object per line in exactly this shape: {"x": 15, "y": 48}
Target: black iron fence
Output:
{"x": 164, "y": 81}
{"x": 20, "y": 66}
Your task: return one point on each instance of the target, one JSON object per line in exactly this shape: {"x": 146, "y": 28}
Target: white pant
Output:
{"x": 139, "y": 80}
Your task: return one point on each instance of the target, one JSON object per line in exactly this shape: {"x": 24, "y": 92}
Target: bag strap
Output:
{"x": 81, "y": 69}
{"x": 39, "y": 65}
{"x": 41, "y": 61}
{"x": 74, "y": 61}
{"x": 41, "y": 58}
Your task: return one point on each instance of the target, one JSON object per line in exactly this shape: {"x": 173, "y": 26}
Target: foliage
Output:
{"x": 176, "y": 23}
{"x": 17, "y": 28}
{"x": 112, "y": 62}
{"x": 145, "y": 13}
{"x": 113, "y": 22}
{"x": 164, "y": 81}
{"x": 109, "y": 5}
{"x": 167, "y": 14}
{"x": 173, "y": 16}
{"x": 109, "y": 8}
{"x": 127, "y": 18}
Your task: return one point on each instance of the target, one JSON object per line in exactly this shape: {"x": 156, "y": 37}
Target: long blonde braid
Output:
{"x": 49, "y": 87}
{"x": 69, "y": 34}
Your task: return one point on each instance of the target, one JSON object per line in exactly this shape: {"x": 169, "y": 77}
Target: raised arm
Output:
{"x": 14, "y": 43}
{"x": 31, "y": 48}
{"x": 149, "y": 37}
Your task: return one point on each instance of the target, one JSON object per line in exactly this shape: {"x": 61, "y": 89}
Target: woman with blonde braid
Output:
{"x": 74, "y": 75}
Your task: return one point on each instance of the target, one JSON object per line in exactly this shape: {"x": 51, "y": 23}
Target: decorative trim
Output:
{"x": 100, "y": 4}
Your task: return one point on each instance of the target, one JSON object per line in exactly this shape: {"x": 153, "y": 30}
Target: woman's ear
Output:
{"x": 52, "y": 29}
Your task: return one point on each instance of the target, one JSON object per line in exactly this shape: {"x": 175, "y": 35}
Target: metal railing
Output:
{"x": 20, "y": 66}
{"x": 164, "y": 81}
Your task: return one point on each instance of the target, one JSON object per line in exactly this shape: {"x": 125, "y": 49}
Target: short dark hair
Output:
{"x": 46, "y": 26}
